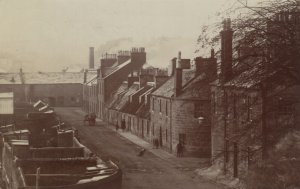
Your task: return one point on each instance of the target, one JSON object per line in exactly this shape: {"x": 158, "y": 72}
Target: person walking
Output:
{"x": 179, "y": 149}
{"x": 123, "y": 125}
{"x": 156, "y": 143}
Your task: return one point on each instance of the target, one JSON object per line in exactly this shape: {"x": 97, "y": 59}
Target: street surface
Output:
{"x": 146, "y": 172}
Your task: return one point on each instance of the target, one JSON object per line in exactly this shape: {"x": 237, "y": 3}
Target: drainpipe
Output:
{"x": 171, "y": 127}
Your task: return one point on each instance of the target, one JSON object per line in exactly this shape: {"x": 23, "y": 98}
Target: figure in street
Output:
{"x": 141, "y": 152}
{"x": 179, "y": 149}
{"x": 156, "y": 143}
{"x": 123, "y": 125}
{"x": 92, "y": 119}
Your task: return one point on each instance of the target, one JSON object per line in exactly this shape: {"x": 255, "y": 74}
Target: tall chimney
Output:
{"x": 178, "y": 76}
{"x": 91, "y": 61}
{"x": 226, "y": 51}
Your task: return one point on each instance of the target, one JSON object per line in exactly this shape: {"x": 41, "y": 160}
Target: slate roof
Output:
{"x": 132, "y": 107}
{"x": 123, "y": 100}
{"x": 167, "y": 89}
{"x": 250, "y": 78}
{"x": 44, "y": 77}
{"x": 198, "y": 88}
{"x": 144, "y": 111}
{"x": 117, "y": 94}
{"x": 117, "y": 68}
{"x": 108, "y": 70}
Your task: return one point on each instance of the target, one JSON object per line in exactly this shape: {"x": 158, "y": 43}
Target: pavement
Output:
{"x": 155, "y": 169}
{"x": 184, "y": 162}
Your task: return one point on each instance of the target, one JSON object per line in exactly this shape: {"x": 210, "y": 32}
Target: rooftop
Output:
{"x": 44, "y": 77}
{"x": 121, "y": 102}
{"x": 167, "y": 89}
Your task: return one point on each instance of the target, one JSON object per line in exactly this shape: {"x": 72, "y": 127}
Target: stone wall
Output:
{"x": 161, "y": 121}
{"x": 185, "y": 127}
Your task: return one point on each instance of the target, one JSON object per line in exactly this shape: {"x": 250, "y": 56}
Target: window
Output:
{"x": 166, "y": 135}
{"x": 159, "y": 105}
{"x": 198, "y": 110}
{"x": 167, "y": 108}
{"x": 153, "y": 104}
{"x": 148, "y": 128}
{"x": 152, "y": 129}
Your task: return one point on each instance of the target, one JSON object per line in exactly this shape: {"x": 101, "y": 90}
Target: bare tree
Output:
{"x": 266, "y": 42}
{"x": 268, "y": 32}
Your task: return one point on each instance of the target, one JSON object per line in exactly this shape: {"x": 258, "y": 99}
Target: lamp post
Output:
{"x": 200, "y": 120}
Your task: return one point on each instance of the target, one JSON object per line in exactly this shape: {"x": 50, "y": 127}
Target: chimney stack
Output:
{"x": 178, "y": 76}
{"x": 85, "y": 76}
{"x": 212, "y": 53}
{"x": 91, "y": 61}
{"x": 226, "y": 51}
{"x": 138, "y": 56}
{"x": 98, "y": 72}
{"x": 123, "y": 56}
{"x": 131, "y": 79}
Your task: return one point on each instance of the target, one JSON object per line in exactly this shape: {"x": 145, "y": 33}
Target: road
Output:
{"x": 147, "y": 172}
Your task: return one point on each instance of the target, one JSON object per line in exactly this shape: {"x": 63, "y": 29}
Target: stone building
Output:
{"x": 131, "y": 101}
{"x": 251, "y": 110}
{"x": 89, "y": 91}
{"x": 90, "y": 87}
{"x": 113, "y": 70}
{"x": 54, "y": 88}
{"x": 179, "y": 104}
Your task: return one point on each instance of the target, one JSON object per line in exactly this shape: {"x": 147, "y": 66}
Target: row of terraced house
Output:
{"x": 215, "y": 109}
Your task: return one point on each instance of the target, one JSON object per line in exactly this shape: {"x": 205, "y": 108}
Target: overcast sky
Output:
{"x": 48, "y": 35}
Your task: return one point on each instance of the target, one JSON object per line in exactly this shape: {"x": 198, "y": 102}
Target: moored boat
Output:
{"x": 46, "y": 156}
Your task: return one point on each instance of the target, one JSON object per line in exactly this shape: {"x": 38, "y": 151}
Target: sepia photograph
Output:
{"x": 150, "y": 94}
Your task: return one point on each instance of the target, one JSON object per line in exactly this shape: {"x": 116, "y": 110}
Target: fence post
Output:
{"x": 37, "y": 178}
{"x": 235, "y": 160}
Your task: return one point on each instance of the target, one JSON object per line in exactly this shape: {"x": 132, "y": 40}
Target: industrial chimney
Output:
{"x": 91, "y": 61}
